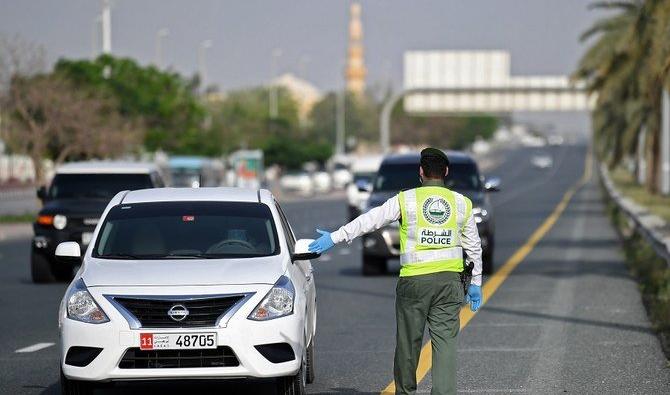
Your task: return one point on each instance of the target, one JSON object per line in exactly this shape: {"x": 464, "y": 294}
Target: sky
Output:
{"x": 541, "y": 35}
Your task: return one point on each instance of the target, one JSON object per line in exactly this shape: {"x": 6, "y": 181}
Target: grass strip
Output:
{"x": 17, "y": 218}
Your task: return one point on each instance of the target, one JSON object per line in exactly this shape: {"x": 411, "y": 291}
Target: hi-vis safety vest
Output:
{"x": 432, "y": 218}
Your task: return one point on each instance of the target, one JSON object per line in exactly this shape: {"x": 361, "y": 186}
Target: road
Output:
{"x": 18, "y": 201}
{"x": 568, "y": 319}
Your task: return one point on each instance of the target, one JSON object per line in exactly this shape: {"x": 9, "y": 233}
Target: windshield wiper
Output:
{"x": 185, "y": 256}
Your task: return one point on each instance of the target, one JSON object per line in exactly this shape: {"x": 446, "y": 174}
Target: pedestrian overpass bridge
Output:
{"x": 470, "y": 82}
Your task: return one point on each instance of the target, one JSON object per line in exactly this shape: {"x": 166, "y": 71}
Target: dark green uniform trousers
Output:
{"x": 434, "y": 298}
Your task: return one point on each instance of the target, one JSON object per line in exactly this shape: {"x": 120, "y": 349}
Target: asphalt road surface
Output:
{"x": 567, "y": 319}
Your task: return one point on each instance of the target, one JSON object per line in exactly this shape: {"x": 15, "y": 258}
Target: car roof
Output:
{"x": 218, "y": 194}
{"x": 455, "y": 157}
{"x": 106, "y": 167}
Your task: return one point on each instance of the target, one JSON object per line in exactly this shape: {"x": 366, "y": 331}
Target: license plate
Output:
{"x": 86, "y": 238}
{"x": 177, "y": 341}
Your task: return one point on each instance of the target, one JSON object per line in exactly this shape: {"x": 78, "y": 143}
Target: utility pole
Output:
{"x": 340, "y": 118}
{"x": 274, "y": 94}
{"x": 202, "y": 61}
{"x": 302, "y": 63}
{"x": 160, "y": 35}
{"x": 106, "y": 27}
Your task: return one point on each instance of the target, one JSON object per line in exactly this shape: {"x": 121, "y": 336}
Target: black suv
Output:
{"x": 401, "y": 172}
{"x": 72, "y": 206}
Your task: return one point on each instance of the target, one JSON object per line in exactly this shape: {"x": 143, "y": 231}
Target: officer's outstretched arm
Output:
{"x": 374, "y": 219}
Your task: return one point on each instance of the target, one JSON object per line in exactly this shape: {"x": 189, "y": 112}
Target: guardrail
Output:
{"x": 652, "y": 227}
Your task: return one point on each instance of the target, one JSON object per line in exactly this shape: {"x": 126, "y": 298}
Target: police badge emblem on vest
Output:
{"x": 436, "y": 210}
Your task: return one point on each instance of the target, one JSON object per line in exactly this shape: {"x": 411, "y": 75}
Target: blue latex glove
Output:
{"x": 322, "y": 244}
{"x": 474, "y": 297}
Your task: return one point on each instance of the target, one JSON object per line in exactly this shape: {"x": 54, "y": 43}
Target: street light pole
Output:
{"x": 340, "y": 117}
{"x": 160, "y": 35}
{"x": 274, "y": 94}
{"x": 202, "y": 62}
{"x": 106, "y": 27}
{"x": 302, "y": 63}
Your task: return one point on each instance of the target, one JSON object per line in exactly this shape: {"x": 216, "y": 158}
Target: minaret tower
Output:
{"x": 355, "y": 73}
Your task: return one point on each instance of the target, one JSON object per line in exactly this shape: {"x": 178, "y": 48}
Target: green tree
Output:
{"x": 361, "y": 118}
{"x": 242, "y": 119}
{"x": 627, "y": 67}
{"x": 166, "y": 103}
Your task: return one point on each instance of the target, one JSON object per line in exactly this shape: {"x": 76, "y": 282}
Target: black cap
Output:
{"x": 435, "y": 152}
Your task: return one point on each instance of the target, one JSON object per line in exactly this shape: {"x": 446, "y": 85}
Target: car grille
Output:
{"x": 202, "y": 312}
{"x": 134, "y": 358}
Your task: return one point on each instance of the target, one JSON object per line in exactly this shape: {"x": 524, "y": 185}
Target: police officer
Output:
{"x": 436, "y": 226}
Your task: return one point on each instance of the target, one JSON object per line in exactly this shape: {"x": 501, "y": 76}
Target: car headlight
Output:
{"x": 81, "y": 306}
{"x": 480, "y": 214}
{"x": 60, "y": 221}
{"x": 277, "y": 303}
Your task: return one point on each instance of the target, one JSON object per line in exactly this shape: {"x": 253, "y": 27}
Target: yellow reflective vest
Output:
{"x": 432, "y": 218}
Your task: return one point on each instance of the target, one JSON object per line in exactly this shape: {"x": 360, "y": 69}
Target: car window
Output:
{"x": 96, "y": 186}
{"x": 290, "y": 237}
{"x": 187, "y": 230}
{"x": 395, "y": 177}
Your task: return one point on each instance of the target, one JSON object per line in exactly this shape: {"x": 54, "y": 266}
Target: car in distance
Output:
{"x": 298, "y": 182}
{"x": 182, "y": 283}
{"x": 400, "y": 172}
{"x": 194, "y": 172}
{"x": 542, "y": 161}
{"x": 72, "y": 204}
{"x": 363, "y": 170}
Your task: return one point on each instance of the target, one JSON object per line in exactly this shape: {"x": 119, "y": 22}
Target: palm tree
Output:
{"x": 626, "y": 66}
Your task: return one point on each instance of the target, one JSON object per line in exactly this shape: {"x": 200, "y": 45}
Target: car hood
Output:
{"x": 93, "y": 207}
{"x": 378, "y": 198}
{"x": 179, "y": 272}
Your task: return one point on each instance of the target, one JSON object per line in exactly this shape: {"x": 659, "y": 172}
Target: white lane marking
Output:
{"x": 34, "y": 347}
{"x": 325, "y": 258}
{"x": 345, "y": 251}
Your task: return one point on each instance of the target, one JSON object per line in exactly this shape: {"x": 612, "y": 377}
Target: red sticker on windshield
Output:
{"x": 188, "y": 218}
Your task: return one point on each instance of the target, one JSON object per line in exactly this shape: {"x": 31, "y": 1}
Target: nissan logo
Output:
{"x": 178, "y": 312}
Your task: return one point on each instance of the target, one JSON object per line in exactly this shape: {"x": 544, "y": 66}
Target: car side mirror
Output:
{"x": 301, "y": 251}
{"x": 68, "y": 251}
{"x": 42, "y": 193}
{"x": 492, "y": 184}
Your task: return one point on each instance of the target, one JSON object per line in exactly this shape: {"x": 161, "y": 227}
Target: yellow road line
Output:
{"x": 492, "y": 285}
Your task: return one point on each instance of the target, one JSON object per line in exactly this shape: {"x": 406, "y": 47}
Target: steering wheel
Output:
{"x": 223, "y": 243}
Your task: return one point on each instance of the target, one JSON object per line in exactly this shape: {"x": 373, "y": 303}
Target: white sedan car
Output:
{"x": 205, "y": 283}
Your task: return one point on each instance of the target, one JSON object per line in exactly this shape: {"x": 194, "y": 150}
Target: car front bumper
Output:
{"x": 240, "y": 334}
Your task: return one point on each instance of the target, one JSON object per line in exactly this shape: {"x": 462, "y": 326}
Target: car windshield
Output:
{"x": 95, "y": 186}
{"x": 400, "y": 176}
{"x": 364, "y": 177}
{"x": 187, "y": 230}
